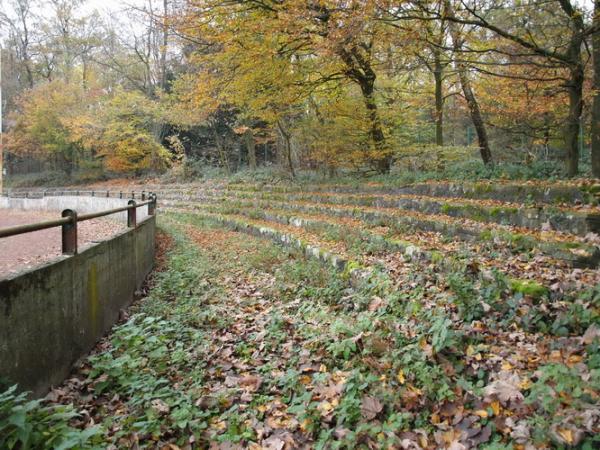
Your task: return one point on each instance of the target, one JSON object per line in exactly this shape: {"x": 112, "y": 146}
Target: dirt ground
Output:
{"x": 28, "y": 250}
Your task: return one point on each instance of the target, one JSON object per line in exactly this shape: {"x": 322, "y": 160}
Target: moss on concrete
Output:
{"x": 529, "y": 288}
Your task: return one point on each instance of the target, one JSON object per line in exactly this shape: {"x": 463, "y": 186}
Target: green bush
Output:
{"x": 28, "y": 424}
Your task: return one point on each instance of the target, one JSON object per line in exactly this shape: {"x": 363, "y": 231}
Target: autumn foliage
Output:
{"x": 322, "y": 85}
{"x": 62, "y": 122}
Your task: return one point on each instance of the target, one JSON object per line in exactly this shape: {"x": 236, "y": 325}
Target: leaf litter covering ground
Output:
{"x": 241, "y": 344}
{"x": 350, "y": 241}
{"x": 342, "y": 197}
{"x": 547, "y": 235}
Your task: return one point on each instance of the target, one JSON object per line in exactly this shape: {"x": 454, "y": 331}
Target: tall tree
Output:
{"x": 596, "y": 87}
{"x": 355, "y": 47}
{"x": 434, "y": 36}
{"x": 19, "y": 24}
{"x": 250, "y": 147}
{"x": 309, "y": 46}
{"x": 561, "y": 49}
{"x": 465, "y": 82}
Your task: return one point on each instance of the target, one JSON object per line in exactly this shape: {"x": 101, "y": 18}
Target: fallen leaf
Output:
{"x": 325, "y": 407}
{"x": 370, "y": 407}
{"x": 400, "y": 377}
{"x": 566, "y": 434}
{"x": 274, "y": 443}
{"x": 505, "y": 388}
{"x": 495, "y": 407}
{"x": 160, "y": 407}
{"x": 250, "y": 382}
{"x": 593, "y": 332}
{"x": 376, "y": 303}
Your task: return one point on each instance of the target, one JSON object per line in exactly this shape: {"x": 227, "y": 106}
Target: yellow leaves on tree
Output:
{"x": 119, "y": 131}
{"x": 61, "y": 121}
{"x": 538, "y": 104}
{"x": 41, "y": 122}
{"x": 273, "y": 63}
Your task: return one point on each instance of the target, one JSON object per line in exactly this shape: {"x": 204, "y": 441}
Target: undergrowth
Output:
{"x": 243, "y": 342}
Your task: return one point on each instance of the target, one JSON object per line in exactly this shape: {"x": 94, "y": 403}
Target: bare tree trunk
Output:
{"x": 221, "y": 150}
{"x": 484, "y": 146}
{"x": 163, "y": 50}
{"x": 439, "y": 99}
{"x": 596, "y": 88}
{"x": 24, "y": 13}
{"x": 574, "y": 86}
{"x": 383, "y": 162}
{"x": 575, "y": 89}
{"x": 84, "y": 74}
{"x": 463, "y": 75}
{"x": 288, "y": 147}
{"x": 359, "y": 70}
{"x": 27, "y": 64}
{"x": 251, "y": 148}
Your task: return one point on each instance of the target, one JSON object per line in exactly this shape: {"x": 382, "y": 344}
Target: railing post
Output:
{"x": 152, "y": 204}
{"x": 131, "y": 215}
{"x": 69, "y": 233}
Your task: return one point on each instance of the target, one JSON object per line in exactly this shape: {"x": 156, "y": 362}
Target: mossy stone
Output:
{"x": 530, "y": 288}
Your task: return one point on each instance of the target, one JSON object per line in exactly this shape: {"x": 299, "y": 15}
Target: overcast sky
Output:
{"x": 109, "y": 5}
{"x": 115, "y": 5}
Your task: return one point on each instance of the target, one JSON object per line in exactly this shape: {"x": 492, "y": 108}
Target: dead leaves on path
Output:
{"x": 268, "y": 355}
{"x": 506, "y": 388}
{"x": 370, "y": 407}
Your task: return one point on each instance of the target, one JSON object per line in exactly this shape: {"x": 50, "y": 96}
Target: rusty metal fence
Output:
{"x": 93, "y": 193}
{"x": 70, "y": 218}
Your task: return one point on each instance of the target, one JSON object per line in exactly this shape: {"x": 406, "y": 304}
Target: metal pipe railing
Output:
{"x": 21, "y": 229}
{"x": 108, "y": 212}
{"x": 70, "y": 218}
{"x": 139, "y": 194}
{"x": 18, "y": 193}
{"x": 62, "y": 192}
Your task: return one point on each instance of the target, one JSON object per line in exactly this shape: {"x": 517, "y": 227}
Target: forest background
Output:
{"x": 186, "y": 88}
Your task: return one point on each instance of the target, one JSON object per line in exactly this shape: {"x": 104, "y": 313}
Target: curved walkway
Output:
{"x": 25, "y": 251}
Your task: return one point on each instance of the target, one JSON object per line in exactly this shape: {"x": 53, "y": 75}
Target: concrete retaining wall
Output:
{"x": 53, "y": 315}
{"x": 82, "y": 205}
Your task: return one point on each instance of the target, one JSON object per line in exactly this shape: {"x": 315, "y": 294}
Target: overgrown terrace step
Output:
{"x": 375, "y": 240}
{"x": 428, "y": 240}
{"x": 553, "y": 193}
{"x": 286, "y": 235}
{"x": 429, "y": 198}
{"x": 521, "y": 192}
{"x": 579, "y": 222}
{"x": 573, "y": 250}
{"x": 294, "y": 232}
{"x": 576, "y": 221}
{"x": 312, "y": 240}
{"x": 562, "y": 220}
